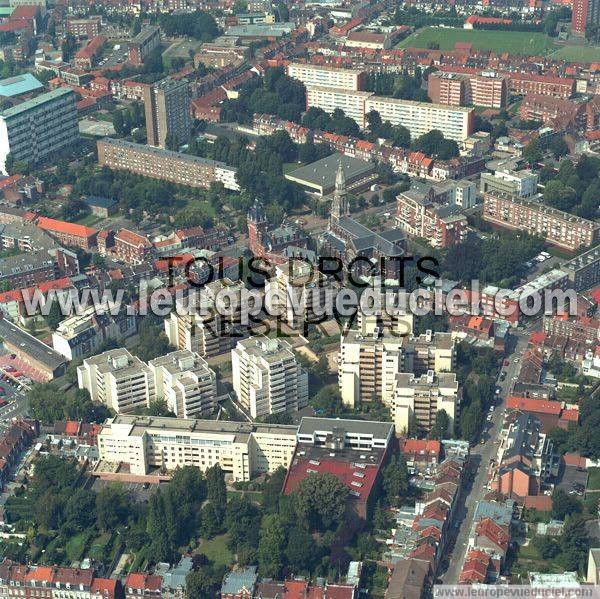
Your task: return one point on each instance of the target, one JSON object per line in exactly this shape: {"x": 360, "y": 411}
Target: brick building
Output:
{"x": 131, "y": 247}
{"x": 68, "y": 233}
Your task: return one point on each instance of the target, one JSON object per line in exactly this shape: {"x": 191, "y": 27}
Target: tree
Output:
{"x": 559, "y": 147}
{"x": 271, "y": 545}
{"x": 533, "y": 152}
{"x": 271, "y": 490}
{"x": 300, "y": 550}
{"x": 440, "y": 428}
{"x": 321, "y": 500}
{"x": 546, "y": 546}
{"x": 574, "y": 544}
{"x": 395, "y": 479}
{"x": 328, "y": 401}
{"x": 112, "y": 507}
{"x": 470, "y": 421}
{"x": 564, "y": 504}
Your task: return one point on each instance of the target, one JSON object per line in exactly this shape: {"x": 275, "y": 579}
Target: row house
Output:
{"x": 19, "y": 435}
{"x": 131, "y": 247}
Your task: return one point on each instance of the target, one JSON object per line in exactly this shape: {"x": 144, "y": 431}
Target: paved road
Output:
{"x": 475, "y": 487}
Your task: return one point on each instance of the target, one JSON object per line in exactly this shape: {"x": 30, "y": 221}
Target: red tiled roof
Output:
{"x": 132, "y": 238}
{"x": 105, "y": 586}
{"x": 62, "y": 226}
{"x": 534, "y": 405}
{"x": 494, "y": 532}
{"x": 421, "y": 447}
{"x": 8, "y": 181}
{"x": 143, "y": 581}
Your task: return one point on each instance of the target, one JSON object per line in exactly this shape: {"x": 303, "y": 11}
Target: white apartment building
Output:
{"x": 298, "y": 292}
{"x": 330, "y": 99}
{"x": 117, "y": 379}
{"x": 324, "y": 76}
{"x": 422, "y": 397}
{"x": 367, "y": 366}
{"x": 186, "y": 383}
{"x": 455, "y": 122}
{"x": 242, "y": 449}
{"x": 81, "y": 334}
{"x": 522, "y": 184}
{"x": 370, "y": 360}
{"x": 267, "y": 378}
{"x": 39, "y": 127}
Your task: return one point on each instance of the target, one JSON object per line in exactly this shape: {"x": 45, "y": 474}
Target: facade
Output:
{"x": 267, "y": 377}
{"x": 489, "y": 89}
{"x": 38, "y": 128}
{"x": 167, "y": 109}
{"x": 353, "y": 103}
{"x": 584, "y": 270}
{"x": 557, "y": 227}
{"x": 143, "y": 44}
{"x": 186, "y": 383}
{"x": 117, "y": 379}
{"x": 324, "y": 76}
{"x": 585, "y": 13}
{"x": 522, "y": 84}
{"x": 421, "y": 117}
{"x": 89, "y": 27}
{"x": 182, "y": 169}
{"x": 242, "y": 449}
{"x": 420, "y": 398}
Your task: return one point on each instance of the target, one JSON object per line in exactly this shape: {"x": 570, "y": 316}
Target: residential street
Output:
{"x": 475, "y": 487}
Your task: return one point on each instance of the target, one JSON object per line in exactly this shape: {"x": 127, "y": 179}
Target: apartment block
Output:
{"x": 131, "y": 247}
{"x": 558, "y": 228}
{"x": 167, "y": 110}
{"x": 353, "y": 103}
{"x": 584, "y": 270}
{"x": 367, "y": 366}
{"x": 522, "y": 184}
{"x": 585, "y": 13}
{"x": 419, "y": 398}
{"x": 522, "y": 84}
{"x": 323, "y": 76}
{"x": 89, "y": 27}
{"x": 38, "y": 128}
{"x": 186, "y": 383}
{"x": 489, "y": 89}
{"x": 144, "y": 43}
{"x": 454, "y": 122}
{"x": 298, "y": 292}
{"x": 117, "y": 379}
{"x": 241, "y": 449}
{"x": 267, "y": 377}
{"x": 182, "y": 169}
{"x": 81, "y": 334}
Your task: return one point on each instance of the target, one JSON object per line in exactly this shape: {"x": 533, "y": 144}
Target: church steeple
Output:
{"x": 339, "y": 206}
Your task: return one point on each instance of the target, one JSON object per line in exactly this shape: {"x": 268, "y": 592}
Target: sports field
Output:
{"x": 577, "y": 53}
{"x": 514, "y": 42}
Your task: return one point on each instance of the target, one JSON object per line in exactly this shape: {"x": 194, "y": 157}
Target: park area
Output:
{"x": 514, "y": 42}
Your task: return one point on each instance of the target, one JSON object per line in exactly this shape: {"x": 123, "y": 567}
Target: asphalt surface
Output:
{"x": 476, "y": 484}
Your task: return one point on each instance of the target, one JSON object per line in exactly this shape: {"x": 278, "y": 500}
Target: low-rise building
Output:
{"x": 522, "y": 184}
{"x": 242, "y": 449}
{"x": 71, "y": 234}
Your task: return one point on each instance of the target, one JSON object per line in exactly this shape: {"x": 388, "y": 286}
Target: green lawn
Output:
{"x": 515, "y": 42}
{"x": 577, "y": 53}
{"x": 89, "y": 220}
{"x": 593, "y": 479}
{"x": 76, "y": 546}
{"x": 97, "y": 548}
{"x": 216, "y": 550}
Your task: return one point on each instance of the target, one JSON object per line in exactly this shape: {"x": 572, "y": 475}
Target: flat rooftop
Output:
{"x": 20, "y": 84}
{"x": 30, "y": 346}
{"x": 38, "y": 101}
{"x": 379, "y": 430}
{"x": 322, "y": 173}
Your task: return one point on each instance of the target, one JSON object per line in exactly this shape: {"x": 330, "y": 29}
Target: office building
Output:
{"x": 267, "y": 377}
{"x": 585, "y": 13}
{"x": 455, "y": 122}
{"x": 143, "y": 44}
{"x": 39, "y": 128}
{"x": 182, "y": 169}
{"x": 584, "y": 270}
{"x": 183, "y": 379}
{"x": 117, "y": 379}
{"x": 241, "y": 449}
{"x": 167, "y": 109}
{"x": 325, "y": 76}
{"x": 522, "y": 184}
{"x": 559, "y": 228}
{"x": 418, "y": 400}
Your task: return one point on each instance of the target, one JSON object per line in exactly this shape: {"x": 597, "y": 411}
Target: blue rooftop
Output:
{"x": 100, "y": 202}
{"x": 20, "y": 84}
{"x": 235, "y": 582}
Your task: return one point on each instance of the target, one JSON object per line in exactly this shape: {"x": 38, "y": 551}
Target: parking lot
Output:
{"x": 571, "y": 477}
{"x": 140, "y": 492}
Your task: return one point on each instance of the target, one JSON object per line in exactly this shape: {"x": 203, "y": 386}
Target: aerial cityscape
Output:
{"x": 299, "y": 300}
